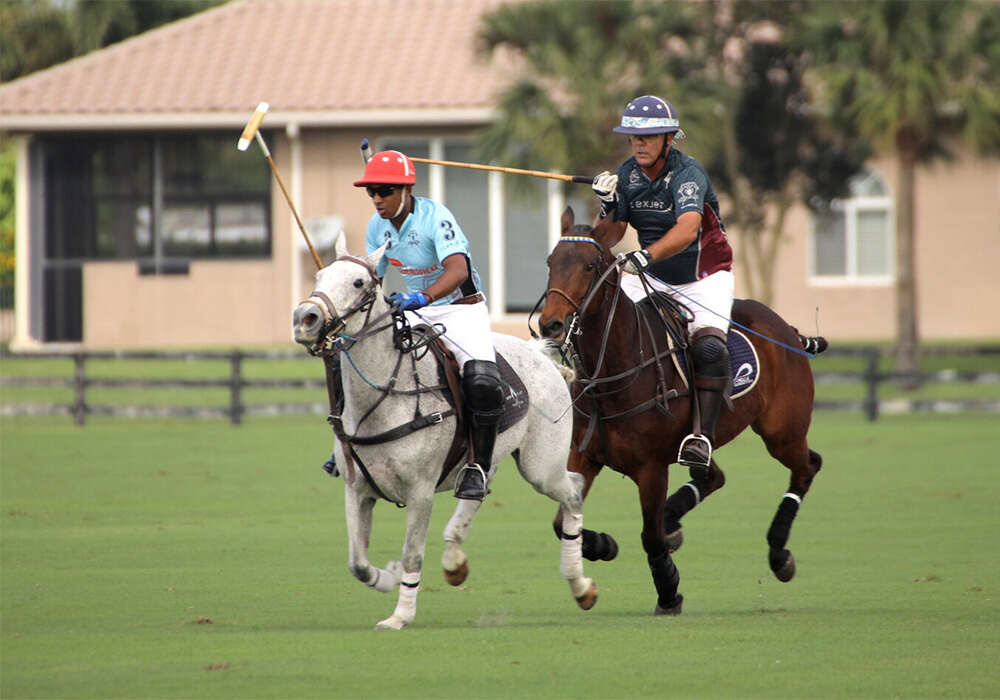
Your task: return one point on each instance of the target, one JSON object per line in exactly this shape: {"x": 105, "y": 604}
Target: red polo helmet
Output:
{"x": 388, "y": 168}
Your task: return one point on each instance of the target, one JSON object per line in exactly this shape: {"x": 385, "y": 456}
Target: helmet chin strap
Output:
{"x": 402, "y": 204}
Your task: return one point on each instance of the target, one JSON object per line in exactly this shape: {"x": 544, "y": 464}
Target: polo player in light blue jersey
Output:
{"x": 428, "y": 248}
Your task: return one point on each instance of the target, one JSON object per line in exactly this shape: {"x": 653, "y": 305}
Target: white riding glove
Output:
{"x": 605, "y": 186}
{"x": 635, "y": 261}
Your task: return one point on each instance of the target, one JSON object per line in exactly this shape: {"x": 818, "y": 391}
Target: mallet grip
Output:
{"x": 250, "y": 130}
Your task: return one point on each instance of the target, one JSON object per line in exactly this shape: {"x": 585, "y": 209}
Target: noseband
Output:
{"x": 334, "y": 321}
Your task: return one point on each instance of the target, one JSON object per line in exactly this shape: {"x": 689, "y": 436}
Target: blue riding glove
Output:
{"x": 408, "y": 301}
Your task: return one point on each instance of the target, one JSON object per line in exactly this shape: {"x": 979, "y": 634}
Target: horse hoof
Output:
{"x": 393, "y": 622}
{"x": 674, "y": 540}
{"x": 588, "y": 599}
{"x": 784, "y": 571}
{"x": 458, "y": 576}
{"x": 674, "y": 609}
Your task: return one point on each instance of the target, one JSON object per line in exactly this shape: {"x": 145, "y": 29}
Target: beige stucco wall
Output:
{"x": 249, "y": 303}
{"x": 958, "y": 242}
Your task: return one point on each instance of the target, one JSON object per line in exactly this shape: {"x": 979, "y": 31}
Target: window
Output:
{"x": 480, "y": 205}
{"x": 142, "y": 197}
{"x": 852, "y": 238}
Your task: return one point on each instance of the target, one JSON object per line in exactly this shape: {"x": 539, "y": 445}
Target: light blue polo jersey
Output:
{"x": 429, "y": 235}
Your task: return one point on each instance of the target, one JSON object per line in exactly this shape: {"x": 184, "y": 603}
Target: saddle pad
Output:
{"x": 743, "y": 361}
{"x": 515, "y": 403}
{"x": 516, "y": 400}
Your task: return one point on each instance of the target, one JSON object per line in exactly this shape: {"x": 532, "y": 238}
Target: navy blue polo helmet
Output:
{"x": 650, "y": 114}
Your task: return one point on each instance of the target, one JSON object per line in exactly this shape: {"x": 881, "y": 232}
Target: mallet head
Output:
{"x": 251, "y": 128}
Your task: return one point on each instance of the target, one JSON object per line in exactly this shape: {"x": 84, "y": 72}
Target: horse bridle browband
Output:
{"x": 334, "y": 321}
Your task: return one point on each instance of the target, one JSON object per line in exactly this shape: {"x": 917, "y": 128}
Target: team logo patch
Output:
{"x": 743, "y": 363}
{"x": 633, "y": 177}
{"x": 688, "y": 192}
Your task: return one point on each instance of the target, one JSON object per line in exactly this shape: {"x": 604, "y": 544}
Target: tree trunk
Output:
{"x": 907, "y": 335}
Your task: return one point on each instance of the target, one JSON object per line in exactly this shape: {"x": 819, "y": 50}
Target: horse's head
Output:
{"x": 341, "y": 302}
{"x": 576, "y": 264}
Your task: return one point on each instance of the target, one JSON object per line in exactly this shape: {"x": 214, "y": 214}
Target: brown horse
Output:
{"x": 632, "y": 406}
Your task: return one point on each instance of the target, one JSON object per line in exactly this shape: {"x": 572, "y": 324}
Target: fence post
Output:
{"x": 79, "y": 387}
{"x": 871, "y": 381}
{"x": 236, "y": 388}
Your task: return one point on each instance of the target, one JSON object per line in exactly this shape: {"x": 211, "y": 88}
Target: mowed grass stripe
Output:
{"x": 120, "y": 537}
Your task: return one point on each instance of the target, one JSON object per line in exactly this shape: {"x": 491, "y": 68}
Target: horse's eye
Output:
{"x": 359, "y": 283}
{"x": 589, "y": 267}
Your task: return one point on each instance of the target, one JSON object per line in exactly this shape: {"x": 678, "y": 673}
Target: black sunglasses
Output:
{"x": 382, "y": 190}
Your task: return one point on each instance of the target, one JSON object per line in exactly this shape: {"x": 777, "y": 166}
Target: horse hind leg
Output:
{"x": 804, "y": 463}
{"x": 684, "y": 499}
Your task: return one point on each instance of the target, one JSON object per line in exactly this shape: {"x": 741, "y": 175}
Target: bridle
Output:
{"x": 599, "y": 282}
{"x": 331, "y": 337}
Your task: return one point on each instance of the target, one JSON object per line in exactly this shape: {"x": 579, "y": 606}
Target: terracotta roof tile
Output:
{"x": 298, "y": 55}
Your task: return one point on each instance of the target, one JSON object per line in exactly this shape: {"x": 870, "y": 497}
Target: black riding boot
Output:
{"x": 484, "y": 400}
{"x": 335, "y": 388}
{"x": 711, "y": 381}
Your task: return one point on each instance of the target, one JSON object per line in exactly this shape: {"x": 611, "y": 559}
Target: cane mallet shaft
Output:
{"x": 252, "y": 131}
{"x": 511, "y": 171}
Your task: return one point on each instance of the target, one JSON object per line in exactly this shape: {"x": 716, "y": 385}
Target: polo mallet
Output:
{"x": 366, "y": 154}
{"x": 252, "y": 130}
{"x": 510, "y": 171}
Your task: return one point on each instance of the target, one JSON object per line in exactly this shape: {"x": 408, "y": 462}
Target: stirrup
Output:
{"x": 695, "y": 454}
{"x": 466, "y": 487}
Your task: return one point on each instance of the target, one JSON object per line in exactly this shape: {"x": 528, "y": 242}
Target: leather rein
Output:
{"x": 593, "y": 382}
{"x": 332, "y": 341}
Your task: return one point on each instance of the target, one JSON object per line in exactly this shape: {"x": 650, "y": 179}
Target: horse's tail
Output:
{"x": 814, "y": 344}
{"x": 551, "y": 350}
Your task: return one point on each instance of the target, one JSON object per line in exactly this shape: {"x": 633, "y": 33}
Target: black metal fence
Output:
{"x": 237, "y": 381}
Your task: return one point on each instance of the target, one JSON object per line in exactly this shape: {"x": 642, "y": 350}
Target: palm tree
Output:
{"x": 906, "y": 74}
{"x": 729, "y": 66}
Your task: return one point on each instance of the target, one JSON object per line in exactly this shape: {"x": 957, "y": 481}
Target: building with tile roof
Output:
{"x": 141, "y": 225}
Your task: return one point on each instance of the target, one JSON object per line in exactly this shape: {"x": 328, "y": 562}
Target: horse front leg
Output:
{"x": 358, "y": 510}
{"x": 596, "y": 546}
{"x": 418, "y": 516}
{"x": 584, "y": 589}
{"x": 684, "y": 499}
{"x": 652, "y": 482}
{"x": 453, "y": 560}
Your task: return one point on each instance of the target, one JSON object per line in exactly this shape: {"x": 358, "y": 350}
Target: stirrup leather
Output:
{"x": 470, "y": 491}
{"x": 687, "y": 462}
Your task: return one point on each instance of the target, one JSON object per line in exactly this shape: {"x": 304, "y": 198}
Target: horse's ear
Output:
{"x": 566, "y": 222}
{"x": 376, "y": 255}
{"x": 608, "y": 231}
{"x": 340, "y": 244}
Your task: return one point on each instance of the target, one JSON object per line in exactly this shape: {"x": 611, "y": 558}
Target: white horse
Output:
{"x": 382, "y": 393}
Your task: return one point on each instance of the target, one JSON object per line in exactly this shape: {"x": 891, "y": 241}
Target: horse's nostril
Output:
{"x": 310, "y": 319}
{"x": 552, "y": 329}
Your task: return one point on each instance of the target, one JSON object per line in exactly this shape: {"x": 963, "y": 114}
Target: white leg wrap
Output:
{"x": 571, "y": 565}
{"x": 794, "y": 496}
{"x": 382, "y": 580}
{"x": 406, "y": 606}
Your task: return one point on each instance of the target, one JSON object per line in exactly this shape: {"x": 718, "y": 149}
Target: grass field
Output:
{"x": 121, "y": 540}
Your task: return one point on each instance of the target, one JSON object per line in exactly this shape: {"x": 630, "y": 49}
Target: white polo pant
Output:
{"x": 710, "y": 299}
{"x": 467, "y": 329}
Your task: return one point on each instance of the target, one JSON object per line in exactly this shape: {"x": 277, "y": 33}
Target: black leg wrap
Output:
{"x": 680, "y": 502}
{"x": 777, "y": 535}
{"x": 598, "y": 546}
{"x": 666, "y": 579}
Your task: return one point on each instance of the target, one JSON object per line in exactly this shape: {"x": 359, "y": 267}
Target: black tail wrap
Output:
{"x": 665, "y": 578}
{"x": 777, "y": 534}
